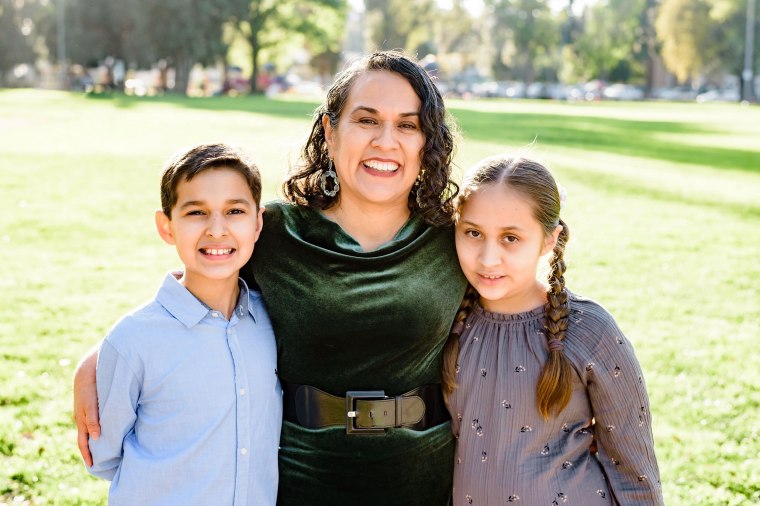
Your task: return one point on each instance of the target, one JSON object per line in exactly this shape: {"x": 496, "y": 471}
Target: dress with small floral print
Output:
{"x": 508, "y": 454}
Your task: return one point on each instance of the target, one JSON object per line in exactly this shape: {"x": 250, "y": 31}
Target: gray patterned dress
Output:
{"x": 507, "y": 453}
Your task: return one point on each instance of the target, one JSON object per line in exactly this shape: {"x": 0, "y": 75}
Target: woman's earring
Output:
{"x": 418, "y": 192}
{"x": 323, "y": 181}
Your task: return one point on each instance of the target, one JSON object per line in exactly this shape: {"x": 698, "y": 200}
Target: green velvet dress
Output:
{"x": 345, "y": 320}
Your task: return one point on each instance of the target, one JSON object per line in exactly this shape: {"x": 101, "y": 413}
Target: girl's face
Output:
{"x": 377, "y": 144}
{"x": 499, "y": 244}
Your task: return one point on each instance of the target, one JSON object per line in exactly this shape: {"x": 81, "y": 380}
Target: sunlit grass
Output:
{"x": 663, "y": 207}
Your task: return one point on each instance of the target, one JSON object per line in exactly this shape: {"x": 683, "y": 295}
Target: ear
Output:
{"x": 164, "y": 227}
{"x": 328, "y": 131}
{"x": 551, "y": 240}
{"x": 259, "y": 224}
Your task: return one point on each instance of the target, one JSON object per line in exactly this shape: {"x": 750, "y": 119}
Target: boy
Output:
{"x": 190, "y": 404}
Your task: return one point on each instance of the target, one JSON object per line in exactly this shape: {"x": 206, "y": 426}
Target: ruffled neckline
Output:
{"x": 525, "y": 316}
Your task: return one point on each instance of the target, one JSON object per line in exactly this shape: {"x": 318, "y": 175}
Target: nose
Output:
{"x": 386, "y": 136}
{"x": 489, "y": 255}
{"x": 217, "y": 225}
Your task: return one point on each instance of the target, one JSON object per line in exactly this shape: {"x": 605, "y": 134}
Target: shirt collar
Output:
{"x": 188, "y": 309}
{"x": 244, "y": 301}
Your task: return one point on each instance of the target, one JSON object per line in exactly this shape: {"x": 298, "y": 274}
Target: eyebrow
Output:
{"x": 505, "y": 229}
{"x": 200, "y": 203}
{"x": 372, "y": 110}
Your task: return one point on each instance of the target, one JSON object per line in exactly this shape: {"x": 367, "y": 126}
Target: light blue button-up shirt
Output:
{"x": 190, "y": 404}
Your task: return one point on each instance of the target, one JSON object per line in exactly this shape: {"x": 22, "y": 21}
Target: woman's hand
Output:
{"x": 86, "y": 403}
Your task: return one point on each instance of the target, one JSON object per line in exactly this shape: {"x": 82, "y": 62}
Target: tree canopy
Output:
{"x": 526, "y": 40}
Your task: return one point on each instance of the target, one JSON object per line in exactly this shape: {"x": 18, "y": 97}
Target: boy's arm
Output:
{"x": 86, "y": 403}
{"x": 118, "y": 391}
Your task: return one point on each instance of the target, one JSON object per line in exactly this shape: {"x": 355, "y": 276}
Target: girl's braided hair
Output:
{"x": 535, "y": 182}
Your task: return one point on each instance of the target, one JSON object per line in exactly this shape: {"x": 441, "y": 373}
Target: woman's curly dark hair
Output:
{"x": 431, "y": 197}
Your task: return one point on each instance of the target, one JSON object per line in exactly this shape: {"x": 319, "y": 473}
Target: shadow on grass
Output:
{"x": 624, "y": 187}
{"x": 612, "y": 135}
{"x": 617, "y": 136}
{"x": 259, "y": 104}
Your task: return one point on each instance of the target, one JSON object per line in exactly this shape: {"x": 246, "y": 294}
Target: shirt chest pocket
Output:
{"x": 259, "y": 358}
{"x": 195, "y": 379}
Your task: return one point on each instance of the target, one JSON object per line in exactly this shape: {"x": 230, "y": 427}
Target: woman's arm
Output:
{"x": 86, "y": 403}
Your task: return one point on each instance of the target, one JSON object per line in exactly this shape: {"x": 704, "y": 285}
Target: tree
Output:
{"x": 646, "y": 46}
{"x": 524, "y": 35}
{"x": 703, "y": 38}
{"x": 683, "y": 27}
{"x": 727, "y": 31}
{"x": 456, "y": 36}
{"x": 99, "y": 31}
{"x": 186, "y": 32}
{"x": 615, "y": 42}
{"x": 179, "y": 32}
{"x": 268, "y": 23}
{"x": 17, "y": 28}
{"x": 392, "y": 23}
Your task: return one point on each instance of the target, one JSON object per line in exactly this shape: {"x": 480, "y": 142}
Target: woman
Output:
{"x": 360, "y": 276}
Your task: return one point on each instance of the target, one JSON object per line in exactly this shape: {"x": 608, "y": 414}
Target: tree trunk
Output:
{"x": 182, "y": 67}
{"x": 255, "y": 65}
{"x": 649, "y": 75}
{"x": 650, "y": 41}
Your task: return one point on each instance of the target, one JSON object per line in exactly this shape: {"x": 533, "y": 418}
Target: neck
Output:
{"x": 220, "y": 295}
{"x": 526, "y": 300}
{"x": 370, "y": 226}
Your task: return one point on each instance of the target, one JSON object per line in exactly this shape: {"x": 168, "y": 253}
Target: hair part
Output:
{"x": 535, "y": 182}
{"x": 432, "y": 195}
{"x": 185, "y": 165}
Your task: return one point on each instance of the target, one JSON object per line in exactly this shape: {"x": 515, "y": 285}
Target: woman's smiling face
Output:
{"x": 377, "y": 144}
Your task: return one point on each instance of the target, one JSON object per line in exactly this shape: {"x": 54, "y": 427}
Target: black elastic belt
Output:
{"x": 364, "y": 411}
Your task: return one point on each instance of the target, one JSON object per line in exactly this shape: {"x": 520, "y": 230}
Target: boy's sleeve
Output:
{"x": 118, "y": 393}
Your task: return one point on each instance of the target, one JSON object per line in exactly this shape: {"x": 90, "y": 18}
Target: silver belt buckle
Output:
{"x": 351, "y": 412}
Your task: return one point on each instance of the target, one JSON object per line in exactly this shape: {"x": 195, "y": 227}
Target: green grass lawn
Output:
{"x": 663, "y": 208}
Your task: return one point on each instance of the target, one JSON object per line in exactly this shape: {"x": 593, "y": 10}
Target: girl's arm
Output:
{"x": 86, "y": 403}
{"x": 623, "y": 425}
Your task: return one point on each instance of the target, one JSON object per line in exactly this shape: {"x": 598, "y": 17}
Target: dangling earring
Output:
{"x": 323, "y": 181}
{"x": 418, "y": 192}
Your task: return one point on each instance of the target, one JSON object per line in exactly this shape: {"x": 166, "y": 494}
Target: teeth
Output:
{"x": 381, "y": 166}
{"x": 225, "y": 251}
{"x": 490, "y": 277}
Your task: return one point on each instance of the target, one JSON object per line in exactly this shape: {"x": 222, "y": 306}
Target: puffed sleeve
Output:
{"x": 623, "y": 427}
{"x": 118, "y": 393}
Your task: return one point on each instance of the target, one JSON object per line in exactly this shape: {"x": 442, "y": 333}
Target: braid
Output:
{"x": 535, "y": 182}
{"x": 555, "y": 383}
{"x": 451, "y": 348}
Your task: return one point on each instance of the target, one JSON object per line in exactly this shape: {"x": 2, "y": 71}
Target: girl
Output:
{"x": 546, "y": 396}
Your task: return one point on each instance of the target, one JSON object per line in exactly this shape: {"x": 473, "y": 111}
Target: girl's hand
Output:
{"x": 86, "y": 404}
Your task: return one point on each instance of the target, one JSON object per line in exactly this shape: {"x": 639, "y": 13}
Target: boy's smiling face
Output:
{"x": 214, "y": 225}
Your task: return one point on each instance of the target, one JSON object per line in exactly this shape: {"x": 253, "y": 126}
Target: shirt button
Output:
{"x": 214, "y": 314}
{"x": 229, "y": 332}
{"x": 242, "y": 391}
{"x": 243, "y": 451}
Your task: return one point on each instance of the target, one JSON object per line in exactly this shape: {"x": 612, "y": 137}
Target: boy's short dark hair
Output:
{"x": 185, "y": 165}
